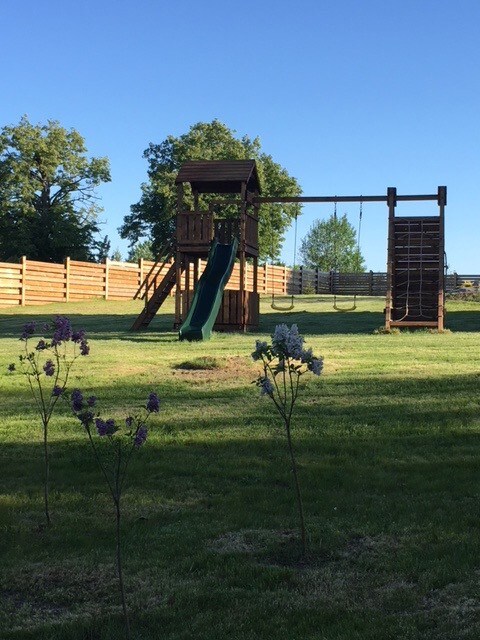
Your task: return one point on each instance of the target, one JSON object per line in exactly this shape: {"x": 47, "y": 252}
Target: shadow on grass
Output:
{"x": 389, "y": 471}
{"x": 314, "y": 316}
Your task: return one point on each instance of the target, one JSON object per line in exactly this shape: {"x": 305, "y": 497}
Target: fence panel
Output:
{"x": 11, "y": 283}
{"x": 33, "y": 282}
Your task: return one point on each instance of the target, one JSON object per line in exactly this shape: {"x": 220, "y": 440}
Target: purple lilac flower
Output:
{"x": 11, "y": 367}
{"x": 266, "y": 387}
{"x": 91, "y": 401}
{"x": 84, "y": 348}
{"x": 129, "y": 421}
{"x": 28, "y": 330}
{"x": 41, "y": 346}
{"x": 78, "y": 336}
{"x": 57, "y": 391}
{"x": 101, "y": 426}
{"x": 49, "y": 368}
{"x": 140, "y": 436}
{"x": 62, "y": 330}
{"x": 86, "y": 417}
{"x": 153, "y": 403}
{"x": 77, "y": 400}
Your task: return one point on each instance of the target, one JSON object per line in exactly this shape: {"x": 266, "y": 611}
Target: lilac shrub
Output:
{"x": 284, "y": 362}
{"x": 46, "y": 362}
{"x": 121, "y": 441}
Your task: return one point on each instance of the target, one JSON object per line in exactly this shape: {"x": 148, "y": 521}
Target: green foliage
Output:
{"x": 116, "y": 255}
{"x": 48, "y": 206}
{"x": 103, "y": 249}
{"x": 331, "y": 245}
{"x": 153, "y": 215}
{"x": 141, "y": 250}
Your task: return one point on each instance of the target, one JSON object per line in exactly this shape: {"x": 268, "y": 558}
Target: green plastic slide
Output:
{"x": 208, "y": 292}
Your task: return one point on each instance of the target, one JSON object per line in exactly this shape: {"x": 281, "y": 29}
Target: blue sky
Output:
{"x": 350, "y": 96}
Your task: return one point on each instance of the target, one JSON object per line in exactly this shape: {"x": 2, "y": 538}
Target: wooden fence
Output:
{"x": 31, "y": 282}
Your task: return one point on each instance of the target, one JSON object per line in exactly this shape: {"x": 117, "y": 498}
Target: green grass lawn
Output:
{"x": 387, "y": 440}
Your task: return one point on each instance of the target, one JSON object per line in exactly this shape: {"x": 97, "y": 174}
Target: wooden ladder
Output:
{"x": 158, "y": 297}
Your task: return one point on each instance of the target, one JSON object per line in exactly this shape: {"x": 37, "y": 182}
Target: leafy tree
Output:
{"x": 48, "y": 206}
{"x": 331, "y": 245}
{"x": 116, "y": 255}
{"x": 141, "y": 250}
{"x": 154, "y": 215}
{"x": 102, "y": 249}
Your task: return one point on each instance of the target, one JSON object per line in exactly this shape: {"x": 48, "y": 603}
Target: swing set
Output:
{"x": 335, "y": 270}
{"x": 289, "y": 305}
{"x": 416, "y": 258}
{"x": 333, "y": 273}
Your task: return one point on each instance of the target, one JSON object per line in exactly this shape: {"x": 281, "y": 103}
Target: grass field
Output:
{"x": 387, "y": 441}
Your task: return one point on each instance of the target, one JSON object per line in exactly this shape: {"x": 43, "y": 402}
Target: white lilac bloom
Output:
{"x": 280, "y": 334}
{"x": 316, "y": 366}
{"x": 260, "y": 349}
{"x": 294, "y": 343}
{"x": 306, "y": 355}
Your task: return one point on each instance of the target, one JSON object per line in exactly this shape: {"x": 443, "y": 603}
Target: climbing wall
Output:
{"x": 416, "y": 264}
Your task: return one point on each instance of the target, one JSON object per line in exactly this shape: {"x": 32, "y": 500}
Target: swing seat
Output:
{"x": 277, "y": 307}
{"x": 337, "y": 308}
{"x": 345, "y": 309}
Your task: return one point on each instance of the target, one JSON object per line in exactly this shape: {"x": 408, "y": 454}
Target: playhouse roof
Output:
{"x": 219, "y": 176}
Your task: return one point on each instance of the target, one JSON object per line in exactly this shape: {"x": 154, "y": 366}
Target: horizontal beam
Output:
{"x": 307, "y": 199}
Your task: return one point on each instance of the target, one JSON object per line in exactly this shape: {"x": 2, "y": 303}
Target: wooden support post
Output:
{"x": 391, "y": 202}
{"x": 187, "y": 276}
{"x": 196, "y": 266}
{"x": 23, "y": 290}
{"x": 442, "y": 201}
{"x": 242, "y": 312}
{"x": 67, "y": 279}
{"x": 107, "y": 276}
{"x": 141, "y": 269}
{"x": 178, "y": 290}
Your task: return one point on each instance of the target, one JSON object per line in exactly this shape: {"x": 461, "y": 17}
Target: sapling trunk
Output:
{"x": 298, "y": 492}
{"x": 119, "y": 567}
{"x": 46, "y": 455}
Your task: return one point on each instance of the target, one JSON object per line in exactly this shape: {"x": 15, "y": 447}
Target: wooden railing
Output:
{"x": 194, "y": 228}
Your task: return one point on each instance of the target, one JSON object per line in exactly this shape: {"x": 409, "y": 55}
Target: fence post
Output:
{"x": 23, "y": 291}
{"x": 107, "y": 274}
{"x": 141, "y": 268}
{"x": 67, "y": 279}
{"x": 370, "y": 288}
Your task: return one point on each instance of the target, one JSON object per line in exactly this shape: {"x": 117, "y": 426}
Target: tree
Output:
{"x": 48, "y": 206}
{"x": 154, "y": 215}
{"x": 141, "y": 250}
{"x": 331, "y": 245}
{"x": 102, "y": 249}
{"x": 116, "y": 255}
